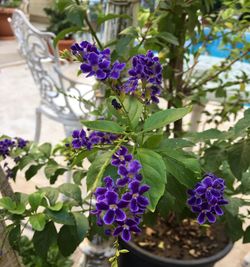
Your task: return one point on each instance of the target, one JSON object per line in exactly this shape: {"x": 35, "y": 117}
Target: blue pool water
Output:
{"x": 217, "y": 49}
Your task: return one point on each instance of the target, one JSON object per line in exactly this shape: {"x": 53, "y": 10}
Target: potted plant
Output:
{"x": 139, "y": 180}
{"x": 158, "y": 201}
{"x": 59, "y": 22}
{"x": 6, "y": 10}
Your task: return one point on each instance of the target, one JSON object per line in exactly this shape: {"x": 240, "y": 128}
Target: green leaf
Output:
{"x": 209, "y": 134}
{"x": 63, "y": 33}
{"x": 167, "y": 37}
{"x": 102, "y": 18}
{"x": 53, "y": 170}
{"x": 246, "y": 238}
{"x": 154, "y": 174}
{"x": 182, "y": 166}
{"x": 72, "y": 191}
{"x": 75, "y": 14}
{"x": 19, "y": 209}
{"x": 62, "y": 216}
{"x": 131, "y": 30}
{"x": 78, "y": 176}
{"x": 45, "y": 149}
{"x": 238, "y": 157}
{"x": 134, "y": 109}
{"x": 32, "y": 171}
{"x": 97, "y": 168}
{"x": 42, "y": 240}
{"x": 38, "y": 221}
{"x": 233, "y": 206}
{"x": 245, "y": 183}
{"x": 82, "y": 225}
{"x": 51, "y": 194}
{"x": 68, "y": 240}
{"x": 174, "y": 143}
{"x": 234, "y": 226}
{"x": 35, "y": 200}
{"x": 58, "y": 206}
{"x": 104, "y": 126}
{"x": 164, "y": 117}
{"x": 7, "y": 203}
{"x": 122, "y": 44}
{"x": 14, "y": 237}
{"x": 153, "y": 141}
{"x": 24, "y": 161}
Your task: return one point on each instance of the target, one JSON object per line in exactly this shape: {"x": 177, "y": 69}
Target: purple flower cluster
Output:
{"x": 207, "y": 198}
{"x": 121, "y": 203}
{"x": 7, "y": 145}
{"x": 80, "y": 139}
{"x": 95, "y": 62}
{"x": 147, "y": 70}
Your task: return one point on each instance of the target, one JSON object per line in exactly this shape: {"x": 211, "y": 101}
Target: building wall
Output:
{"x": 36, "y": 10}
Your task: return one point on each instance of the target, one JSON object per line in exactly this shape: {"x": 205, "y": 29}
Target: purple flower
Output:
{"x": 5, "y": 146}
{"x": 121, "y": 157}
{"x": 128, "y": 172}
{"x": 148, "y": 70}
{"x": 96, "y": 65}
{"x": 112, "y": 207}
{"x": 120, "y": 205}
{"x": 207, "y": 198}
{"x": 95, "y": 62}
{"x": 80, "y": 139}
{"x": 135, "y": 196}
{"x": 125, "y": 228}
{"x": 21, "y": 143}
{"x": 116, "y": 70}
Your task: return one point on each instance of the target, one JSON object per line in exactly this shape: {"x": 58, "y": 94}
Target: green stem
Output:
{"x": 92, "y": 30}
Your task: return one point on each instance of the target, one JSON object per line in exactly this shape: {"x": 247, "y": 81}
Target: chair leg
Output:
{"x": 38, "y": 125}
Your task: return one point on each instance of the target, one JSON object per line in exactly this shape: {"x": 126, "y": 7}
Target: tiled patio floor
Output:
{"x": 18, "y": 100}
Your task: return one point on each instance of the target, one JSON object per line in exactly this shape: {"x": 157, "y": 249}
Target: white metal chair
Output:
{"x": 58, "y": 93}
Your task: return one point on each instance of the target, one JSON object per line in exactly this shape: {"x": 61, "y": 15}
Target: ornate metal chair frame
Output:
{"x": 58, "y": 93}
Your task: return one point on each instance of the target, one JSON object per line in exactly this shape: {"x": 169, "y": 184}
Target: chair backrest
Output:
{"x": 44, "y": 63}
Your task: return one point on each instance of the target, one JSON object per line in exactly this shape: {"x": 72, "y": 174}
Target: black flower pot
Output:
{"x": 138, "y": 257}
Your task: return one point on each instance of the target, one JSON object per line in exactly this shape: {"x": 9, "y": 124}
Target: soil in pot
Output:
{"x": 183, "y": 242}
{"x": 6, "y": 32}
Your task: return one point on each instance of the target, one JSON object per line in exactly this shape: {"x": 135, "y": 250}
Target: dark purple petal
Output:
{"x": 122, "y": 181}
{"x": 207, "y": 181}
{"x": 86, "y": 68}
{"x": 100, "y": 74}
{"x": 126, "y": 236}
{"x": 122, "y": 170}
{"x": 111, "y": 197}
{"x": 201, "y": 218}
{"x": 127, "y": 196}
{"x": 211, "y": 218}
{"x": 201, "y": 190}
{"x": 109, "y": 217}
{"x": 117, "y": 231}
{"x": 120, "y": 215}
{"x": 143, "y": 189}
{"x": 93, "y": 58}
{"x": 102, "y": 206}
{"x": 131, "y": 222}
{"x": 143, "y": 201}
{"x": 134, "y": 186}
{"x": 133, "y": 205}
{"x": 218, "y": 210}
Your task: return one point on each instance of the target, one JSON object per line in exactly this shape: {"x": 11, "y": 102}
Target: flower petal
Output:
{"x": 201, "y": 218}
{"x": 111, "y": 197}
{"x": 126, "y": 236}
{"x": 109, "y": 217}
{"x": 117, "y": 230}
{"x": 120, "y": 215}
